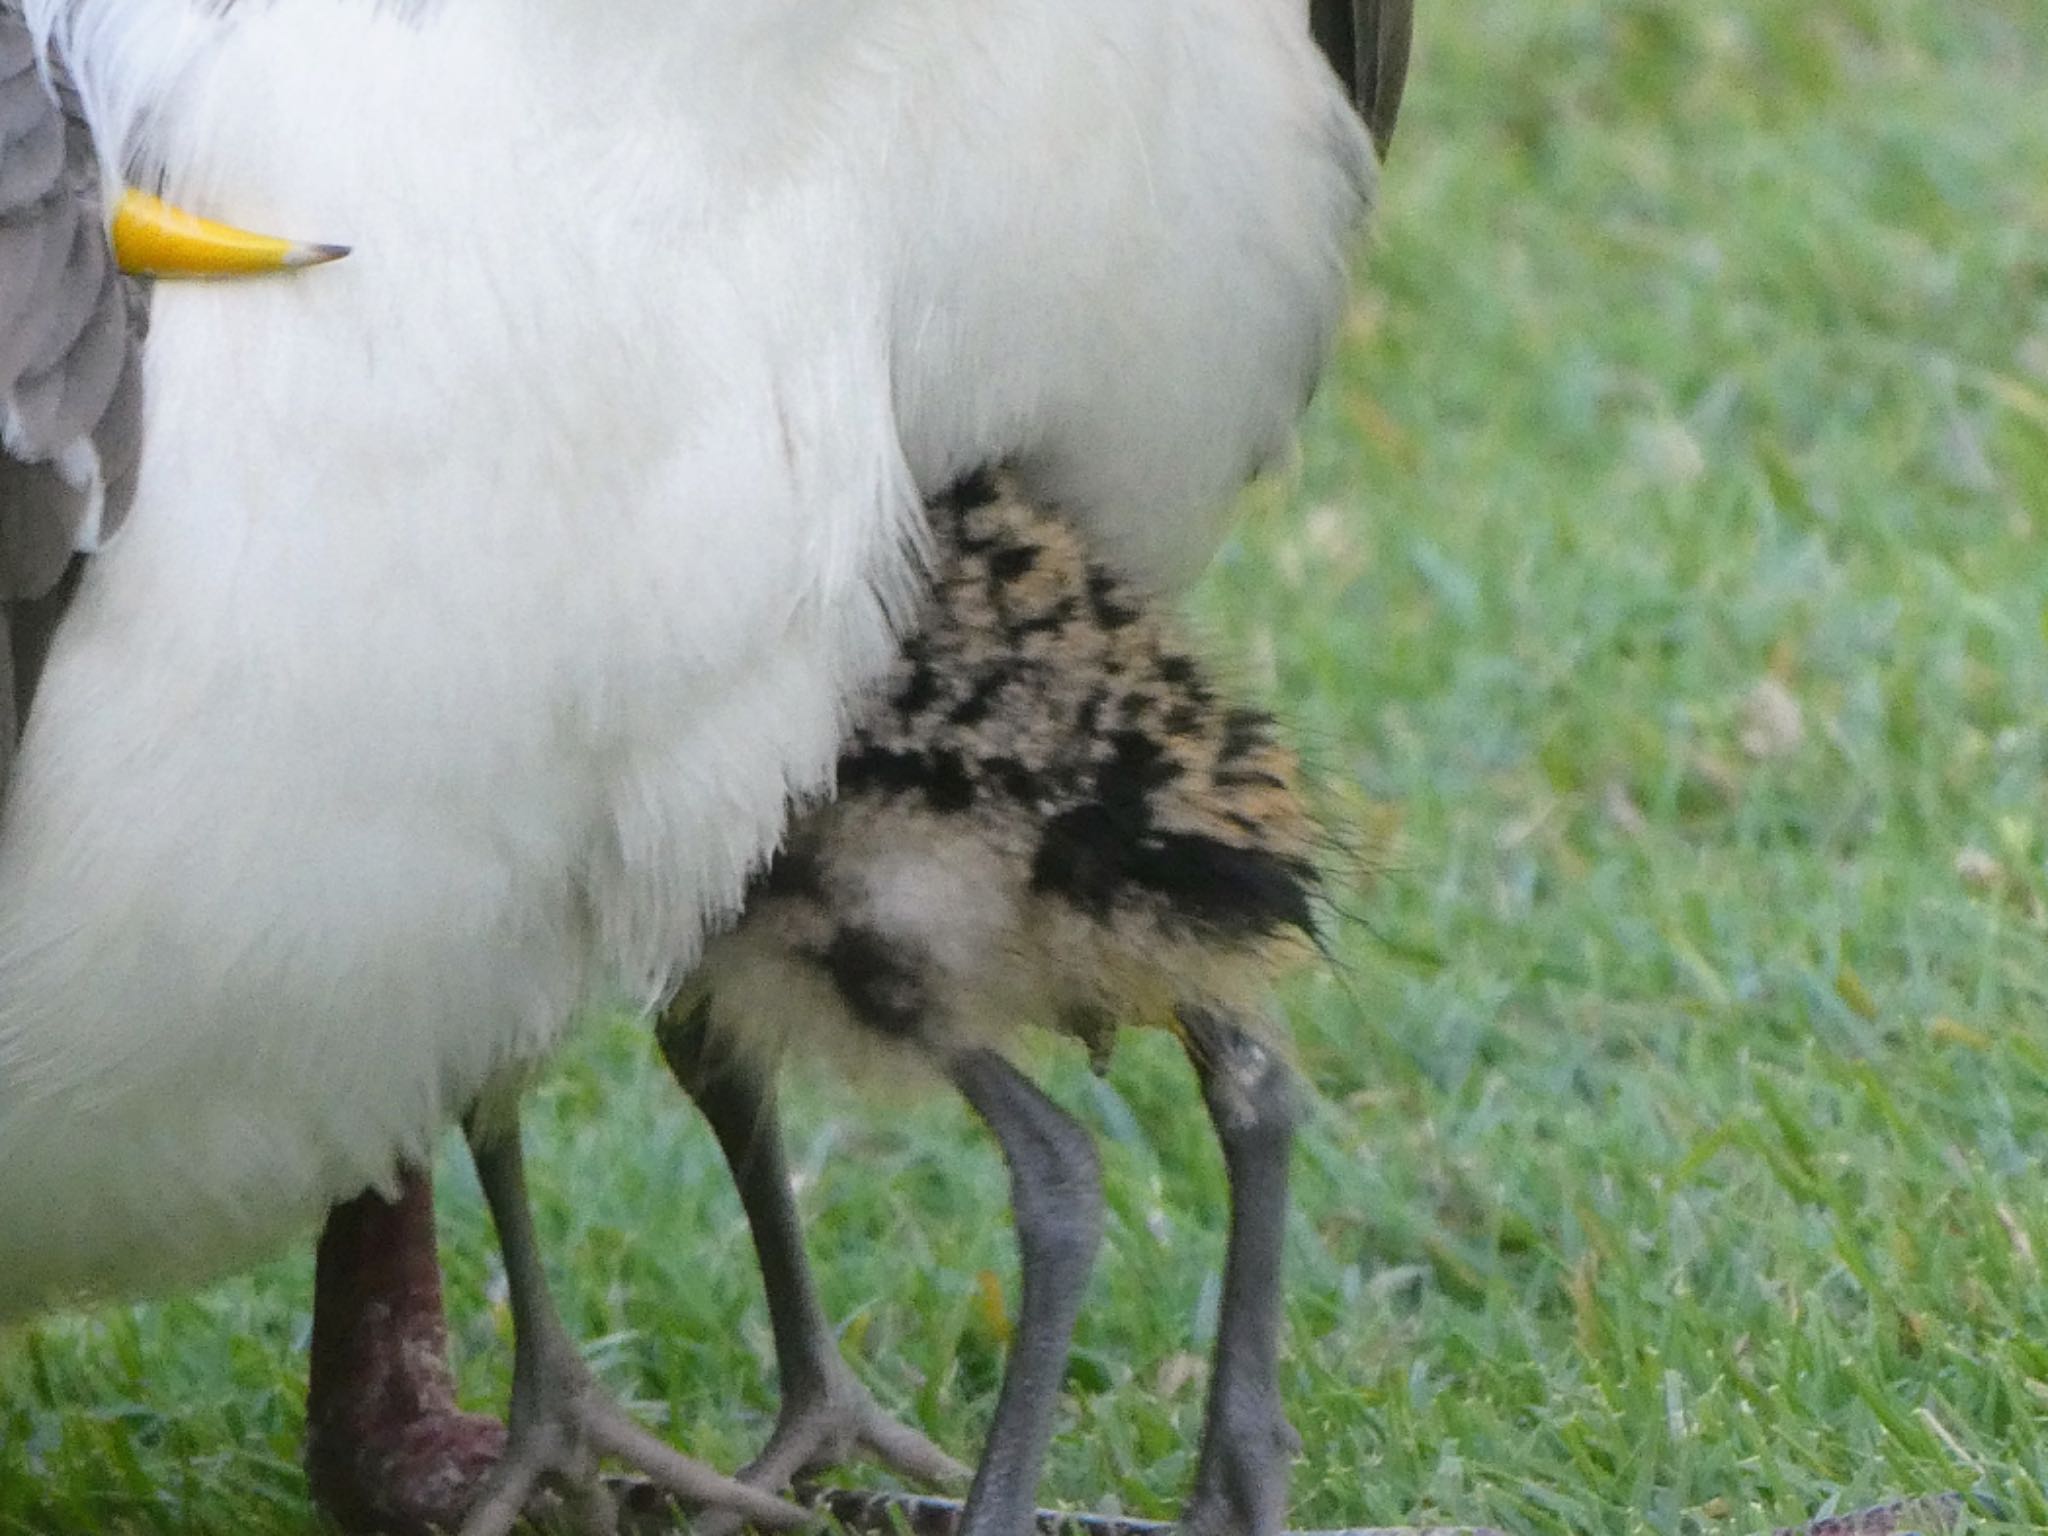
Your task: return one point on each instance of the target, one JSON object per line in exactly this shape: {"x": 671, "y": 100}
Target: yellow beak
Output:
{"x": 154, "y": 239}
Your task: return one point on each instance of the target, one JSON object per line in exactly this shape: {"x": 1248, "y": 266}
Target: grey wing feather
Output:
{"x": 34, "y": 137}
{"x": 71, "y": 330}
{"x": 38, "y": 522}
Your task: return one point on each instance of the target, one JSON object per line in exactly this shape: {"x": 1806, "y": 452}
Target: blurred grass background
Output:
{"x": 1663, "y": 587}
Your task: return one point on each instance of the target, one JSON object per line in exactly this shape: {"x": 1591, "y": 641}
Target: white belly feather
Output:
{"x": 487, "y": 596}
{"x": 1120, "y": 231}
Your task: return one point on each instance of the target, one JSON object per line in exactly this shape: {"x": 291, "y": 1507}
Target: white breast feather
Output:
{"x": 487, "y": 596}
{"x": 1122, "y": 232}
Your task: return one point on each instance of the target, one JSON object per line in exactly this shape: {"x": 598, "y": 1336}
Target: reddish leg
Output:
{"x": 387, "y": 1450}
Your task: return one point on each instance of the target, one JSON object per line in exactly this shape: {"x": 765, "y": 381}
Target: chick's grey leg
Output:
{"x": 826, "y": 1413}
{"x": 1241, "y": 1479}
{"x": 562, "y": 1421}
{"x": 1056, "y": 1190}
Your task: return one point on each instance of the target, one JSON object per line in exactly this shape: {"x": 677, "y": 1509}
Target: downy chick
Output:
{"x": 1048, "y": 817}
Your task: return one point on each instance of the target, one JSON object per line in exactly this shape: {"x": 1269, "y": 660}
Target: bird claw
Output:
{"x": 828, "y": 1426}
{"x": 840, "y": 1421}
{"x": 556, "y": 1442}
{"x": 551, "y": 1457}
{"x": 1933, "y": 1514}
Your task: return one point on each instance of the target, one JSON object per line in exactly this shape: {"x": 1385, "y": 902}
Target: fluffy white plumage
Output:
{"x": 486, "y": 598}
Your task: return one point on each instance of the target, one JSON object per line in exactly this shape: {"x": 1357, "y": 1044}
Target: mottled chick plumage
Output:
{"x": 1049, "y": 814}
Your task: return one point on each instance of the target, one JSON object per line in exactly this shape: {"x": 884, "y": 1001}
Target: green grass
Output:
{"x": 1683, "y": 1084}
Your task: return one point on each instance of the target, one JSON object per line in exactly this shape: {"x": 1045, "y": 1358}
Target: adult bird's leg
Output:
{"x": 1241, "y": 1478}
{"x": 387, "y": 1450}
{"x": 826, "y": 1413}
{"x": 1056, "y": 1191}
{"x": 562, "y": 1421}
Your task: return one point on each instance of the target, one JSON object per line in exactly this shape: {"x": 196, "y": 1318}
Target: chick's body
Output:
{"x": 1048, "y": 816}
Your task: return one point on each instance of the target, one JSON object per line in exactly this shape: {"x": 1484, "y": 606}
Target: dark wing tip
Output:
{"x": 1367, "y": 42}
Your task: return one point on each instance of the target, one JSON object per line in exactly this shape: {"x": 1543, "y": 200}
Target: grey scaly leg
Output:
{"x": 826, "y": 1413}
{"x": 1241, "y": 1479}
{"x": 562, "y": 1421}
{"x": 1056, "y": 1191}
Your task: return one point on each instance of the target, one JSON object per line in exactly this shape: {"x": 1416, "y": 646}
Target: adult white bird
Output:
{"x": 482, "y": 608}
{"x": 70, "y": 419}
